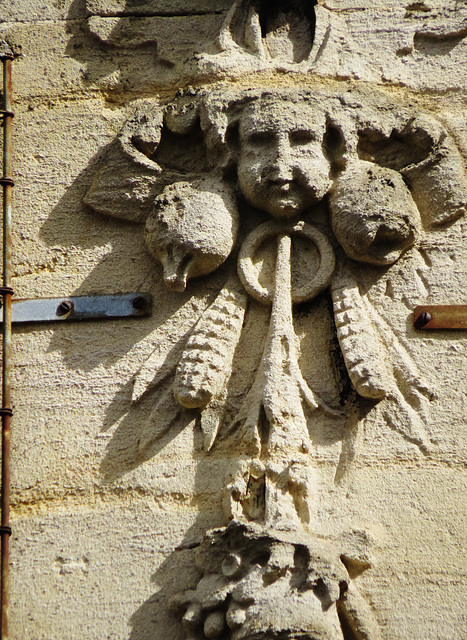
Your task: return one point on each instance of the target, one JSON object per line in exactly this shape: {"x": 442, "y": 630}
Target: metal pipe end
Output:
{"x": 5, "y": 51}
{"x": 65, "y": 307}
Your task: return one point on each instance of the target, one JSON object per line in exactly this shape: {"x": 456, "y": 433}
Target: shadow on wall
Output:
{"x": 140, "y": 47}
{"x": 148, "y": 427}
{"x": 72, "y": 226}
{"x": 153, "y": 619}
{"x": 103, "y": 64}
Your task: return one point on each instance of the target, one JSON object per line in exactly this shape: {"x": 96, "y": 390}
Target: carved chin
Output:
{"x": 285, "y": 208}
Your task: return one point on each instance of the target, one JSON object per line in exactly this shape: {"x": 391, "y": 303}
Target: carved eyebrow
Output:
{"x": 302, "y": 136}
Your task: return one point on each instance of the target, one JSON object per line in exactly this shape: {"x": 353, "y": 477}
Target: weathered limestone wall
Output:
{"x": 112, "y": 490}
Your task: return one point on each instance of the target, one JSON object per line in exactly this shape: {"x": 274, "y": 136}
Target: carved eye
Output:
{"x": 301, "y": 137}
{"x": 260, "y": 138}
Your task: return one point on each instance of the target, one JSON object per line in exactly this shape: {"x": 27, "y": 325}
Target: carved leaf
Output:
{"x": 409, "y": 393}
{"x": 211, "y": 420}
{"x": 122, "y": 188}
{"x": 206, "y": 363}
{"x": 358, "y": 615}
{"x": 379, "y": 364}
{"x": 128, "y": 180}
{"x": 364, "y": 354}
{"x": 164, "y": 415}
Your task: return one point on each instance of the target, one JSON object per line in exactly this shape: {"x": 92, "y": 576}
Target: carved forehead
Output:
{"x": 278, "y": 114}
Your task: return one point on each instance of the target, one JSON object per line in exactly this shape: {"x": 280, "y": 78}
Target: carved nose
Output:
{"x": 282, "y": 172}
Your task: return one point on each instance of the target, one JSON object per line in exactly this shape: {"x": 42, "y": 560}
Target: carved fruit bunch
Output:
{"x": 246, "y": 597}
{"x": 269, "y": 585}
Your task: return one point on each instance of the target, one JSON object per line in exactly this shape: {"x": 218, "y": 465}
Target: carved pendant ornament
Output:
{"x": 259, "y": 583}
{"x": 299, "y": 195}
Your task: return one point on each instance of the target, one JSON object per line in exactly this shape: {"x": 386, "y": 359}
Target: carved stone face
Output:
{"x": 282, "y": 168}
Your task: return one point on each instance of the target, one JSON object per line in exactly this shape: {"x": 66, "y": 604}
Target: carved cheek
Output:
{"x": 251, "y": 172}
{"x": 264, "y": 163}
{"x": 310, "y": 161}
{"x": 313, "y": 173}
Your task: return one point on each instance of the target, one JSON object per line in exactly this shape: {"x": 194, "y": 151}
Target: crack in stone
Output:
{"x": 124, "y": 14}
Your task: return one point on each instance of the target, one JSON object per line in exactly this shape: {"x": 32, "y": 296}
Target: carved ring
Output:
{"x": 248, "y": 273}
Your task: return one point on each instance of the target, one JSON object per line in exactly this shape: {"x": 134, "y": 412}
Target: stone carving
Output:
{"x": 191, "y": 230}
{"x": 312, "y": 190}
{"x": 363, "y": 337}
{"x": 282, "y": 166}
{"x": 384, "y": 170}
{"x": 276, "y": 29}
{"x": 274, "y": 585}
{"x": 373, "y": 213}
{"x": 279, "y": 386}
{"x": 226, "y": 38}
{"x": 206, "y": 362}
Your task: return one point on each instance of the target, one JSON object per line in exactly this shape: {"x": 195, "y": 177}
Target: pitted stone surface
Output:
{"x": 330, "y": 424}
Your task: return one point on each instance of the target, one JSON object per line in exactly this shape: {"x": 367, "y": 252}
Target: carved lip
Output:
{"x": 282, "y": 183}
{"x": 281, "y": 186}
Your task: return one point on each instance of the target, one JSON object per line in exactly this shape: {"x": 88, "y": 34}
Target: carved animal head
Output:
{"x": 373, "y": 214}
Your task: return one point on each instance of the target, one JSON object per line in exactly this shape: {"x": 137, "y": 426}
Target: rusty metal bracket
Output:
{"x": 443, "y": 316}
{"x": 110, "y": 307}
{"x": 7, "y": 183}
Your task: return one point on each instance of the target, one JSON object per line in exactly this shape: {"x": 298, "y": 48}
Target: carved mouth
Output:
{"x": 286, "y": 636}
{"x": 389, "y": 241}
{"x": 283, "y": 192}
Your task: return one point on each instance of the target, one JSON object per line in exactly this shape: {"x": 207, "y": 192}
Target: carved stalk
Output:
{"x": 206, "y": 363}
{"x": 282, "y": 394}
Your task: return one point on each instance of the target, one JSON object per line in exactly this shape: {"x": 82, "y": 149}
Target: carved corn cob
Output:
{"x": 206, "y": 362}
{"x": 365, "y": 355}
